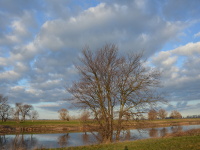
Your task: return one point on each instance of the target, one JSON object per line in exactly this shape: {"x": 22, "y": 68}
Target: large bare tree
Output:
{"x": 22, "y": 110}
{"x": 113, "y": 86}
{"x": 4, "y": 108}
{"x": 25, "y": 111}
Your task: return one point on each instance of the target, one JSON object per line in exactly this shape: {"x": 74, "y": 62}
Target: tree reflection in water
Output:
{"x": 175, "y": 129}
{"x": 3, "y": 141}
{"x": 163, "y": 132}
{"x": 127, "y": 136}
{"x": 19, "y": 142}
{"x": 63, "y": 140}
{"x": 124, "y": 136}
{"x": 153, "y": 132}
{"x": 85, "y": 138}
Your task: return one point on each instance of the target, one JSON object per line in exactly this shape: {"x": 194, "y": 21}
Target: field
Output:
{"x": 40, "y": 123}
{"x": 77, "y": 123}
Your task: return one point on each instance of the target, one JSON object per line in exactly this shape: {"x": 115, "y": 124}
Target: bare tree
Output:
{"x": 175, "y": 115}
{"x": 85, "y": 116}
{"x": 152, "y": 114}
{"x": 34, "y": 115}
{"x": 22, "y": 110}
{"x": 25, "y": 111}
{"x": 162, "y": 114}
{"x": 16, "y": 112}
{"x": 63, "y": 114}
{"x": 112, "y": 86}
{"x": 4, "y": 108}
{"x": 3, "y": 99}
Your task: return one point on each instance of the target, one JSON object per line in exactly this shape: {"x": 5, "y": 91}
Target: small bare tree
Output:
{"x": 175, "y": 115}
{"x": 152, "y": 114}
{"x": 162, "y": 114}
{"x": 63, "y": 114}
{"x": 34, "y": 115}
{"x": 16, "y": 112}
{"x": 85, "y": 116}
{"x": 112, "y": 86}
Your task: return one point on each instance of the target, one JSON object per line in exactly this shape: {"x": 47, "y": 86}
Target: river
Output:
{"x": 32, "y": 141}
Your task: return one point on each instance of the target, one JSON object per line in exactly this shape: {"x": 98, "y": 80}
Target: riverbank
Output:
{"x": 58, "y": 126}
{"x": 188, "y": 140}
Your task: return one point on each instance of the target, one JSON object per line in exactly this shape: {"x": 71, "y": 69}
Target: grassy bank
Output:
{"x": 78, "y": 123}
{"x": 189, "y": 140}
{"x": 41, "y": 122}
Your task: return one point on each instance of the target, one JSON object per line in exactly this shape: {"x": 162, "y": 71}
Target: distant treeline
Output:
{"x": 193, "y": 116}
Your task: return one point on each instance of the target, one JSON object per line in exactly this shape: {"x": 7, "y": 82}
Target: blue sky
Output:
{"x": 40, "y": 40}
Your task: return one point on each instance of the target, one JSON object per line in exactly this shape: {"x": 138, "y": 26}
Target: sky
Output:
{"x": 40, "y": 41}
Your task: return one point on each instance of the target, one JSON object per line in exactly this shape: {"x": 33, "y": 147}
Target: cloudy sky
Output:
{"x": 41, "y": 39}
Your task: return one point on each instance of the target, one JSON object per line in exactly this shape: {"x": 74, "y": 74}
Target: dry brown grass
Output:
{"x": 192, "y": 132}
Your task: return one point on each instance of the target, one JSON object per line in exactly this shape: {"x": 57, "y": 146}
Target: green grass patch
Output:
{"x": 41, "y": 122}
{"x": 177, "y": 120}
{"x": 79, "y": 123}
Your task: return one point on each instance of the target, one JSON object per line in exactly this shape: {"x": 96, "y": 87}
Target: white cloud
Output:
{"x": 19, "y": 27}
{"x": 180, "y": 76}
{"x": 188, "y": 49}
{"x": 197, "y": 35}
{"x": 9, "y": 75}
{"x": 40, "y": 40}
{"x": 17, "y": 88}
{"x": 133, "y": 29}
{"x": 49, "y": 105}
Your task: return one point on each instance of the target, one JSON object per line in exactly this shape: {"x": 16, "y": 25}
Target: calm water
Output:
{"x": 31, "y": 141}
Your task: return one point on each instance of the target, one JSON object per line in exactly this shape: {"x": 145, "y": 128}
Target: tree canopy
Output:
{"x": 113, "y": 87}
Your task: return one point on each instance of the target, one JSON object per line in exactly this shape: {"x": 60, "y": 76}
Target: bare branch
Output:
{"x": 114, "y": 87}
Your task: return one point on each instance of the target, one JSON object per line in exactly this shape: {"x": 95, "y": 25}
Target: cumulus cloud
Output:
{"x": 181, "y": 71}
{"x": 110, "y": 23}
{"x": 52, "y": 106}
{"x": 40, "y": 41}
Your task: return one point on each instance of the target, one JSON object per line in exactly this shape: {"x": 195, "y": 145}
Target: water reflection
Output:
{"x": 18, "y": 142}
{"x": 32, "y": 141}
{"x": 175, "y": 129}
{"x": 127, "y": 135}
{"x": 85, "y": 138}
{"x": 163, "y": 132}
{"x": 3, "y": 140}
{"x": 153, "y": 132}
{"x": 63, "y": 140}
